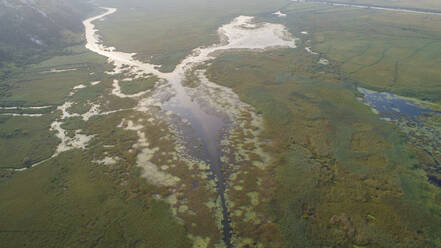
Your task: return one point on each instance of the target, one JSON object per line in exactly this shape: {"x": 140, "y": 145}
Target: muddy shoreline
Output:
{"x": 209, "y": 110}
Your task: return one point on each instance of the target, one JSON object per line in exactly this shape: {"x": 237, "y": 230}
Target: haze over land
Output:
{"x": 220, "y": 124}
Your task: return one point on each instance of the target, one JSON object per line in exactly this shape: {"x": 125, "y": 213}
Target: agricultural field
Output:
{"x": 191, "y": 124}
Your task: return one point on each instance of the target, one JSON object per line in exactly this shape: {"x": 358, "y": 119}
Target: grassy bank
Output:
{"x": 383, "y": 50}
{"x": 73, "y": 202}
{"x": 344, "y": 177}
{"x": 164, "y": 32}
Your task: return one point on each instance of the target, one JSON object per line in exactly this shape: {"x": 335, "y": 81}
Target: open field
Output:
{"x": 382, "y": 50}
{"x": 344, "y": 178}
{"x": 73, "y": 202}
{"x": 137, "y": 85}
{"x": 28, "y": 135}
{"x": 325, "y": 172}
{"x": 57, "y": 75}
{"x": 421, "y": 4}
{"x": 164, "y": 32}
{"x": 96, "y": 195}
{"x": 27, "y": 140}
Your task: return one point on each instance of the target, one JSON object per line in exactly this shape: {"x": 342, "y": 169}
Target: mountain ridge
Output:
{"x": 38, "y": 28}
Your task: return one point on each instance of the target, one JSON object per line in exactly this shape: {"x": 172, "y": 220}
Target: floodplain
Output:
{"x": 213, "y": 135}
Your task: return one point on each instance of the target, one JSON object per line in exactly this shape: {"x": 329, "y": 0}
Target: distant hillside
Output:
{"x": 31, "y": 29}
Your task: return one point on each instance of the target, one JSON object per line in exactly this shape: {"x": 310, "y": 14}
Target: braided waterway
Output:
{"x": 208, "y": 117}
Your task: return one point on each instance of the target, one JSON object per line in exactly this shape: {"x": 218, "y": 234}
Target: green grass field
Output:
{"x": 421, "y": 4}
{"x": 73, "y": 202}
{"x": 137, "y": 85}
{"x": 31, "y": 87}
{"x": 382, "y": 50}
{"x": 27, "y": 140}
{"x": 164, "y": 32}
{"x": 339, "y": 177}
{"x": 344, "y": 177}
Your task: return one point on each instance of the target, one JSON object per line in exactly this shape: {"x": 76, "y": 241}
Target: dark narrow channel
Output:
{"x": 207, "y": 128}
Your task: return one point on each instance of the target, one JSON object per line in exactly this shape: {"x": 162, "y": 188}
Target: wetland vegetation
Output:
{"x": 305, "y": 125}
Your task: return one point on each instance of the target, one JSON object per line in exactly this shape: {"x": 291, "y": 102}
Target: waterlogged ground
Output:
{"x": 212, "y": 112}
{"x": 202, "y": 130}
{"x": 419, "y": 120}
{"x": 249, "y": 142}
